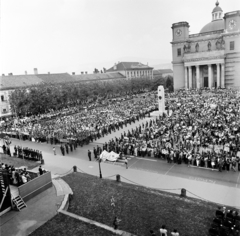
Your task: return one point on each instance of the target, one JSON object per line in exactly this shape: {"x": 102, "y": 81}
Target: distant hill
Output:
{"x": 162, "y": 66}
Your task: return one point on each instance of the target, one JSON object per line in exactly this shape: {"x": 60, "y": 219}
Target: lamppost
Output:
{"x": 100, "y": 172}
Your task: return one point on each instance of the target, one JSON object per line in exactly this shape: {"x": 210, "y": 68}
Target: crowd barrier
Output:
{"x": 35, "y": 186}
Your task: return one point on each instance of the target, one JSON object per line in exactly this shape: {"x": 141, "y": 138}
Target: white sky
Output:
{"x": 79, "y": 35}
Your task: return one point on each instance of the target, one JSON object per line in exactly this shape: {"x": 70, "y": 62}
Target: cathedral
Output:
{"x": 211, "y": 58}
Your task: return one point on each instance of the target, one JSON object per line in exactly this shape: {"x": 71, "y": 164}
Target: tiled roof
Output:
{"x": 56, "y": 78}
{"x": 14, "y": 81}
{"x": 103, "y": 76}
{"x": 128, "y": 66}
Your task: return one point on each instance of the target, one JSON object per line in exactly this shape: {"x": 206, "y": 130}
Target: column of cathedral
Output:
{"x": 199, "y": 82}
{"x": 190, "y": 76}
{"x": 210, "y": 75}
{"x": 186, "y": 77}
{"x": 218, "y": 76}
{"x": 222, "y": 76}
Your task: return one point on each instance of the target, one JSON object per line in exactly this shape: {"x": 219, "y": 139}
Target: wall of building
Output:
{"x": 232, "y": 69}
{"x": 4, "y": 103}
{"x": 139, "y": 73}
{"x": 178, "y": 75}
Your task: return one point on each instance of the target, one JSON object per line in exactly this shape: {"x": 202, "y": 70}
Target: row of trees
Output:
{"x": 42, "y": 98}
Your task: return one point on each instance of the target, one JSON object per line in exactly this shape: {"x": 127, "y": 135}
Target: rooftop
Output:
{"x": 213, "y": 26}
{"x": 128, "y": 66}
{"x": 17, "y": 81}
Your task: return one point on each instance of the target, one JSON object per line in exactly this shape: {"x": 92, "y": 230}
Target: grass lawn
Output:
{"x": 62, "y": 225}
{"x": 139, "y": 208}
{"x": 17, "y": 162}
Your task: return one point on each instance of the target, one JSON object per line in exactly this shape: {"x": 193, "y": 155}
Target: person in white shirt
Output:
{"x": 163, "y": 231}
{"x": 175, "y": 233}
{"x": 24, "y": 179}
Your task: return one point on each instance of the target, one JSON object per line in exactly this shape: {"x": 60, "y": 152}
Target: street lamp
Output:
{"x": 100, "y": 172}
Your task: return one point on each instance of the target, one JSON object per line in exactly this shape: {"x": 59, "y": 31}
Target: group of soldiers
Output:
{"x": 28, "y": 153}
{"x": 65, "y": 148}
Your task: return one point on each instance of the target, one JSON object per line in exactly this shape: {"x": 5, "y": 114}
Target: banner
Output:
{"x": 109, "y": 156}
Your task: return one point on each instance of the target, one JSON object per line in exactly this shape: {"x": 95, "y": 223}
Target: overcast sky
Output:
{"x": 79, "y": 35}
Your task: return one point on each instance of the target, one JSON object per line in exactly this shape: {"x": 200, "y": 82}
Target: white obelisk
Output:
{"x": 161, "y": 99}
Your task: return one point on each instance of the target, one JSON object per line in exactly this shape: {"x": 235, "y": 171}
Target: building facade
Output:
{"x": 132, "y": 70}
{"x": 210, "y": 58}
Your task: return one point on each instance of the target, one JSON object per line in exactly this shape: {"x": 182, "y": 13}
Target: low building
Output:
{"x": 132, "y": 70}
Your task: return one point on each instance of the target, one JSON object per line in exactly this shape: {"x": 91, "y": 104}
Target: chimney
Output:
{"x": 73, "y": 73}
{"x": 10, "y": 73}
{"x": 82, "y": 72}
{"x": 35, "y": 71}
{"x": 85, "y": 72}
{"x": 49, "y": 73}
{"x": 115, "y": 66}
{"x": 3, "y": 75}
{"x": 25, "y": 72}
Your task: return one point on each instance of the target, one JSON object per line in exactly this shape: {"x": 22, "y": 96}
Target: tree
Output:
{"x": 96, "y": 71}
{"x": 169, "y": 83}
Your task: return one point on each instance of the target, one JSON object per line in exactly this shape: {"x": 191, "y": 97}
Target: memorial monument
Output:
{"x": 161, "y": 102}
{"x": 161, "y": 99}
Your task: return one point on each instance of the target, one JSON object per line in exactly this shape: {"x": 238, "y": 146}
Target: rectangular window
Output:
{"x": 232, "y": 45}
{"x": 2, "y": 98}
{"x": 179, "y": 52}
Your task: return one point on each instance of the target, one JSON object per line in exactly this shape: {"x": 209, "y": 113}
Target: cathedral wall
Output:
{"x": 178, "y": 76}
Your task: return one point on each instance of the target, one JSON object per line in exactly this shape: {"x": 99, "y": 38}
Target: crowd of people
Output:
{"x": 202, "y": 130}
{"x": 85, "y": 125}
{"x": 16, "y": 176}
{"x": 226, "y": 222}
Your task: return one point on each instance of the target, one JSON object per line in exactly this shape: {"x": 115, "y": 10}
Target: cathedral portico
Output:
{"x": 204, "y": 74}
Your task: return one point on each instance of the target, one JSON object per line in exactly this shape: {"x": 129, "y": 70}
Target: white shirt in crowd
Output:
{"x": 163, "y": 232}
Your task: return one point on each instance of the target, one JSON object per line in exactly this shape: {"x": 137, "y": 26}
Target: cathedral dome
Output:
{"x": 213, "y": 26}
{"x": 217, "y": 21}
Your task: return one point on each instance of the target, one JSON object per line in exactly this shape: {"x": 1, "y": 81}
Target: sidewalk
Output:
{"x": 39, "y": 210}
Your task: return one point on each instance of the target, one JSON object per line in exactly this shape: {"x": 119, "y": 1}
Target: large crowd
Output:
{"x": 201, "y": 130}
{"x": 84, "y": 125}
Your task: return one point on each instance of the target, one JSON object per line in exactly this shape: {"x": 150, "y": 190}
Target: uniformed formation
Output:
{"x": 27, "y": 153}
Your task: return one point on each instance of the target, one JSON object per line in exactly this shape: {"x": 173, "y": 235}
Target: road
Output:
{"x": 212, "y": 185}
